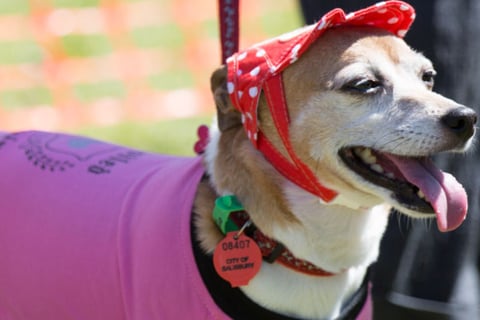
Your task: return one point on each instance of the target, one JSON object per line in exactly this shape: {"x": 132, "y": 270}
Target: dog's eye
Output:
{"x": 363, "y": 86}
{"x": 429, "y": 77}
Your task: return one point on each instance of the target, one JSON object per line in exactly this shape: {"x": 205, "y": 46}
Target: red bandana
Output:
{"x": 259, "y": 69}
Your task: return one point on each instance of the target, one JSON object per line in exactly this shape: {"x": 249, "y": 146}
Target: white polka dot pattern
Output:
{"x": 249, "y": 69}
{"x": 252, "y": 92}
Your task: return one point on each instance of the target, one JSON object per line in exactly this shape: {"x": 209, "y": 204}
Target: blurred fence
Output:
{"x": 68, "y": 63}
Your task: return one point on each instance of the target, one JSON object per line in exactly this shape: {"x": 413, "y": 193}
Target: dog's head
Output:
{"x": 371, "y": 118}
{"x": 363, "y": 117}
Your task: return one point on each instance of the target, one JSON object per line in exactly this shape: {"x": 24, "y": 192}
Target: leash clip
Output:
{"x": 242, "y": 229}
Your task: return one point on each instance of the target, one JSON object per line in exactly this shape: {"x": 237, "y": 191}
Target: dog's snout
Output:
{"x": 461, "y": 121}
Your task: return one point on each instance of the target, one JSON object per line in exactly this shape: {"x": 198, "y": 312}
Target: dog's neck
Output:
{"x": 335, "y": 238}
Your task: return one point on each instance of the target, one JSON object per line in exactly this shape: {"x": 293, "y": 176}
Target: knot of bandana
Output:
{"x": 250, "y": 71}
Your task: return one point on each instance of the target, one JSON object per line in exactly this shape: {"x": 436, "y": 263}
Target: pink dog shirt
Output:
{"x": 95, "y": 231}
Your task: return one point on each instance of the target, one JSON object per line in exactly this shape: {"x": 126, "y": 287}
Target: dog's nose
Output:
{"x": 461, "y": 121}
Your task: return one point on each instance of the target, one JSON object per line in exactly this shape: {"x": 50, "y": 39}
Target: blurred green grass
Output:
{"x": 89, "y": 92}
{"x": 21, "y": 98}
{"x": 20, "y": 51}
{"x": 75, "y": 3}
{"x": 170, "y": 136}
{"x": 14, "y": 6}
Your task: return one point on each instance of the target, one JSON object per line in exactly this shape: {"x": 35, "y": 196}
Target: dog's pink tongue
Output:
{"x": 442, "y": 190}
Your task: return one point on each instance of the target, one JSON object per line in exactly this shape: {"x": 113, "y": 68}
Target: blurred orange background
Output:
{"x": 70, "y": 63}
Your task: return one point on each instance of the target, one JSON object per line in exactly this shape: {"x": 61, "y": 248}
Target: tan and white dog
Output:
{"x": 317, "y": 146}
{"x": 364, "y": 118}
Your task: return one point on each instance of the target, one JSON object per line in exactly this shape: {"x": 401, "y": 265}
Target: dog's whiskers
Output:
{"x": 404, "y": 144}
{"x": 382, "y": 143}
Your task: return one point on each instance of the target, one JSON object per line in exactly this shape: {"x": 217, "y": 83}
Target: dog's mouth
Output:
{"x": 379, "y": 170}
{"x": 415, "y": 183}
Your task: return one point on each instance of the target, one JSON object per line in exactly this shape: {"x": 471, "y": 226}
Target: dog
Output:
{"x": 92, "y": 230}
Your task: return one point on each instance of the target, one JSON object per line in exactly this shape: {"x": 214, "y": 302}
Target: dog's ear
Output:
{"x": 227, "y": 116}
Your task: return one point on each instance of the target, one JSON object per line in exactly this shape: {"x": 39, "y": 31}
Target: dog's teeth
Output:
{"x": 377, "y": 168}
{"x": 420, "y": 194}
{"x": 357, "y": 151}
{"x": 390, "y": 175}
{"x": 367, "y": 156}
{"x": 366, "y": 152}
